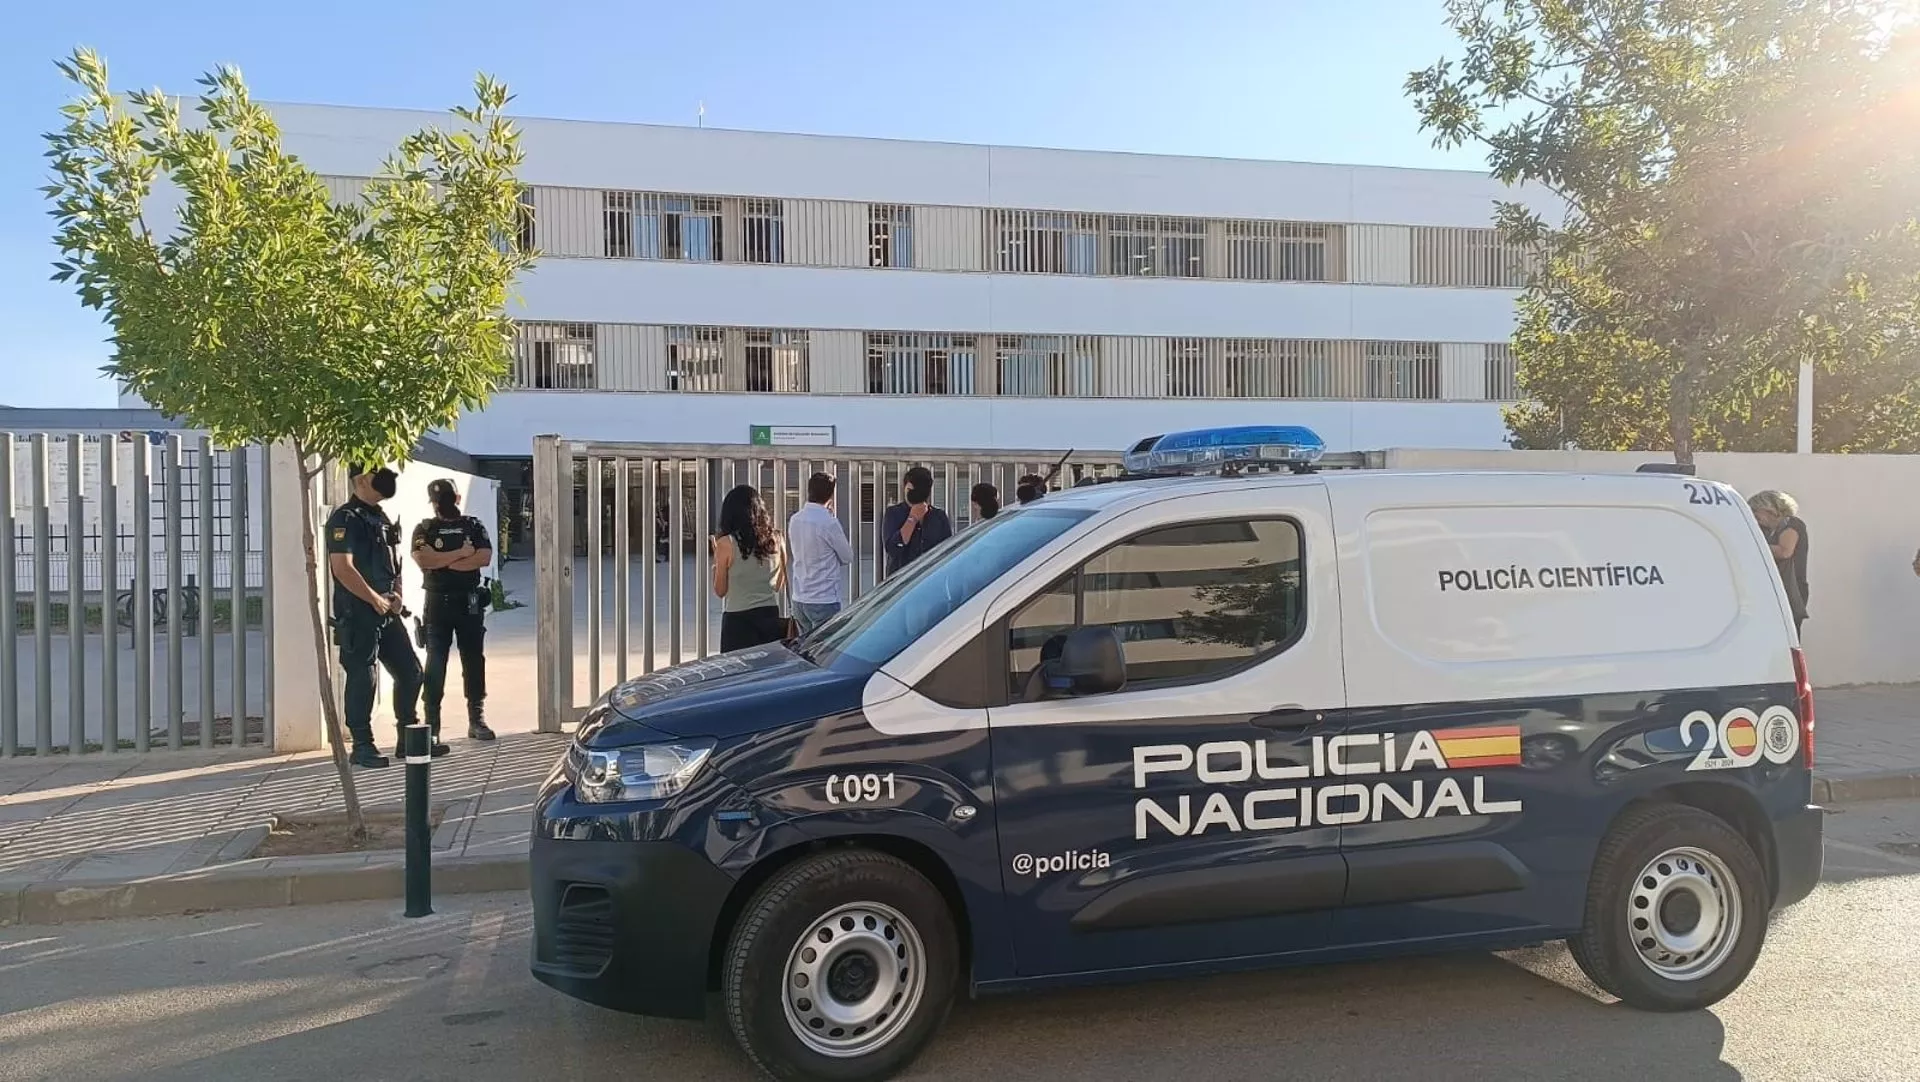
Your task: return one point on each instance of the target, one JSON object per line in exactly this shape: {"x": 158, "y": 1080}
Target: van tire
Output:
{"x": 786, "y": 915}
{"x": 1627, "y": 872}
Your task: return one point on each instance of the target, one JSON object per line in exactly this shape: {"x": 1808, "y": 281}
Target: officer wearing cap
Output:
{"x": 451, "y": 548}
{"x": 362, "y": 555}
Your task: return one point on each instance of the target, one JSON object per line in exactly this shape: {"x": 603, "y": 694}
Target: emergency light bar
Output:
{"x": 1214, "y": 450}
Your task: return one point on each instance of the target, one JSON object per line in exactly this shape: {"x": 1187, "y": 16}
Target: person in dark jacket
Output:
{"x": 1779, "y": 518}
{"x": 915, "y": 526}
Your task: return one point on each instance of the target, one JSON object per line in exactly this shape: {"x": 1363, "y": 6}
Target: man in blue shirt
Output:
{"x": 821, "y": 556}
{"x": 916, "y": 526}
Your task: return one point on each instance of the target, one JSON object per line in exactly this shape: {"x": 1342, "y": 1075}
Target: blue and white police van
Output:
{"x": 1227, "y": 713}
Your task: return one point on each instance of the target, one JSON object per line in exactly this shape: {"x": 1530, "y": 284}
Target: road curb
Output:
{"x": 1892, "y": 785}
{"x": 246, "y": 888}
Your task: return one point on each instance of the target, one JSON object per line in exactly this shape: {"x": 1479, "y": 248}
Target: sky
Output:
{"x": 1300, "y": 80}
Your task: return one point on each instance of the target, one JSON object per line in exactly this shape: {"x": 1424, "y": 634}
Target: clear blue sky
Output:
{"x": 1294, "y": 79}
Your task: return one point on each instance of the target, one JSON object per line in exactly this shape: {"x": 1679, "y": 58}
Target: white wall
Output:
{"x": 512, "y": 419}
{"x": 1862, "y": 534}
{"x": 646, "y": 291}
{"x": 720, "y": 162}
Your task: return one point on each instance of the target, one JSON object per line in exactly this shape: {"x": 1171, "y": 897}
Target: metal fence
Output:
{"x": 635, "y": 519}
{"x": 126, "y": 561}
{"x": 178, "y": 653}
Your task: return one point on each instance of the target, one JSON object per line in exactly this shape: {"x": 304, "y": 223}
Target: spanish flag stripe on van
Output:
{"x": 1488, "y": 745}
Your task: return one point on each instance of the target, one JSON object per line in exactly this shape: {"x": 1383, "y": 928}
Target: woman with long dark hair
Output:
{"x": 986, "y": 501}
{"x": 749, "y": 569}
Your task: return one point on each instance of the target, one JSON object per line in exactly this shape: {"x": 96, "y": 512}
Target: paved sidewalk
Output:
{"x": 129, "y": 834}
{"x": 170, "y": 832}
{"x": 1867, "y": 742}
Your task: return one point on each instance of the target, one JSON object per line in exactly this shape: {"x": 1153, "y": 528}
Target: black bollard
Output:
{"x": 419, "y": 833}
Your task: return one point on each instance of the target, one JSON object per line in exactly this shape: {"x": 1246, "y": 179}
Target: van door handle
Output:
{"x": 1290, "y": 716}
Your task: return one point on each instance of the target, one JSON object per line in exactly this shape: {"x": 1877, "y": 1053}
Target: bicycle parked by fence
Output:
{"x": 189, "y": 607}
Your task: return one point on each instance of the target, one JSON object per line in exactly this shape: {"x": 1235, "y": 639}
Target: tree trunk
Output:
{"x": 329, "y": 708}
{"x": 1680, "y": 418}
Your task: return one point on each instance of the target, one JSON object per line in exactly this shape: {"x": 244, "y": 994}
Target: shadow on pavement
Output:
{"x": 372, "y": 996}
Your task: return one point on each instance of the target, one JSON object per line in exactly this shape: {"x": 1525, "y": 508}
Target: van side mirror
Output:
{"x": 1092, "y": 662}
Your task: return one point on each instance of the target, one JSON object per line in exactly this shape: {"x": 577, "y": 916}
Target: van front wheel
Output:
{"x": 1676, "y": 910}
{"x": 841, "y": 968}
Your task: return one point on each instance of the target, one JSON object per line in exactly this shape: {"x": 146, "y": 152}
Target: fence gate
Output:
{"x": 623, "y": 580}
{"x": 141, "y": 601}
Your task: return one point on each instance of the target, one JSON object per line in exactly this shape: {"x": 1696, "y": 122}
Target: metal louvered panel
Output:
{"x": 1380, "y": 254}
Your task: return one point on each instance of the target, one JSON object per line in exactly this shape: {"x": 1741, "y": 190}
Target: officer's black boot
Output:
{"x": 366, "y": 755}
{"x": 477, "y": 723}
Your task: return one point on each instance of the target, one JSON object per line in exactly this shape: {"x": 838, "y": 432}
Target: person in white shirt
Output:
{"x": 821, "y": 556}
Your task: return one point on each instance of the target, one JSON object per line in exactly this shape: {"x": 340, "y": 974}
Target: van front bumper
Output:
{"x": 1799, "y": 852}
{"x": 625, "y": 925}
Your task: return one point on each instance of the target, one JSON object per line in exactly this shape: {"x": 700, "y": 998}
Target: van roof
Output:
{"x": 1146, "y": 489}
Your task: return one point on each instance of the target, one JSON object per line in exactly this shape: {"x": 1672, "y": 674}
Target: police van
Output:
{"x": 1228, "y": 712}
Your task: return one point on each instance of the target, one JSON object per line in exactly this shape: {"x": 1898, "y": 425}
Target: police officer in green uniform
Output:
{"x": 362, "y": 554}
{"x": 451, "y": 548}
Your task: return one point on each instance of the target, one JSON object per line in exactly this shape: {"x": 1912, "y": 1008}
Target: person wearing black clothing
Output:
{"x": 451, "y": 548}
{"x": 364, "y": 563}
{"x": 915, "y": 526}
{"x": 1779, "y": 519}
{"x": 1031, "y": 487}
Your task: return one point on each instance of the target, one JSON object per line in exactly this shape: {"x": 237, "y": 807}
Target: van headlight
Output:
{"x": 645, "y": 772}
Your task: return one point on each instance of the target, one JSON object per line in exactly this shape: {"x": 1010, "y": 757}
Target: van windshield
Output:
{"x": 868, "y": 633}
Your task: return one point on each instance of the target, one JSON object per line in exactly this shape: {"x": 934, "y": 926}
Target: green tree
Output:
{"x": 268, "y": 313}
{"x": 1740, "y": 184}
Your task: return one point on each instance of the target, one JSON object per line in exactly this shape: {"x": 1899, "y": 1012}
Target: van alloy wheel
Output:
{"x": 854, "y": 979}
{"x": 1683, "y": 914}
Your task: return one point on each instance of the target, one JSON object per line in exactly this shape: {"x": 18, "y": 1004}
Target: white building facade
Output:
{"x": 695, "y": 284}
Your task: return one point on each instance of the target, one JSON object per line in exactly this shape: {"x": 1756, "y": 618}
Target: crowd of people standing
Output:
{"x": 754, "y": 562}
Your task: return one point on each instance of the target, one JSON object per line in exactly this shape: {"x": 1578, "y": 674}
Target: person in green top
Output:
{"x": 749, "y": 572}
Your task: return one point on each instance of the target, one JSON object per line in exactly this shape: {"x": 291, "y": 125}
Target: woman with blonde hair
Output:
{"x": 1779, "y": 518}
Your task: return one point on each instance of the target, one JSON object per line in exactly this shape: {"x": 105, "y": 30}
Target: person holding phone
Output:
{"x": 914, "y": 526}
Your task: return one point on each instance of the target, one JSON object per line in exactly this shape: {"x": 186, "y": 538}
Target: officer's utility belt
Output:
{"x": 473, "y": 601}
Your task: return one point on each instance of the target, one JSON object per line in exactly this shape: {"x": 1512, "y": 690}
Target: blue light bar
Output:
{"x": 1211, "y": 450}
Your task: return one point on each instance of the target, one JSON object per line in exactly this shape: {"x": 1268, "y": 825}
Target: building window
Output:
{"x": 696, "y": 359}
{"x": 1406, "y": 370}
{"x": 1047, "y": 366}
{"x": 617, "y": 215}
{"x": 679, "y": 227}
{"x": 764, "y": 231}
{"x": 1156, "y": 247}
{"x": 1503, "y": 373}
{"x": 1187, "y": 368}
{"x": 527, "y": 237}
{"x": 1470, "y": 258}
{"x": 921, "y": 363}
{"x": 889, "y": 235}
{"x": 1252, "y": 368}
{"x": 555, "y": 357}
{"x": 1042, "y": 242}
{"x": 1276, "y": 252}
{"x": 777, "y": 361}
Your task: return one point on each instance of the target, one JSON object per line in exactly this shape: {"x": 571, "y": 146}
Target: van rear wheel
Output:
{"x": 842, "y": 967}
{"x": 1676, "y": 910}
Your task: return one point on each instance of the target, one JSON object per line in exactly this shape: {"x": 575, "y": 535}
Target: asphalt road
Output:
{"x": 357, "y": 992}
